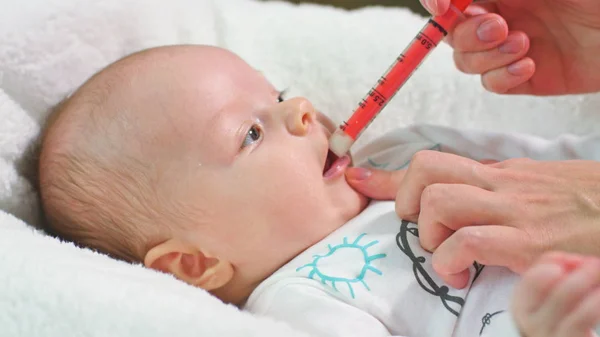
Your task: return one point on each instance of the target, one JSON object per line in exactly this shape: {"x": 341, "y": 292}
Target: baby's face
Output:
{"x": 250, "y": 164}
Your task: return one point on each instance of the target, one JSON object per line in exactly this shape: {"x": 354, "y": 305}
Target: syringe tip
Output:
{"x": 340, "y": 143}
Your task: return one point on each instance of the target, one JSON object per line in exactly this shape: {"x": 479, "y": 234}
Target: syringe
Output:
{"x": 394, "y": 78}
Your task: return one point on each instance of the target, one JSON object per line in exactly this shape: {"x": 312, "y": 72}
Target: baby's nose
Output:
{"x": 300, "y": 116}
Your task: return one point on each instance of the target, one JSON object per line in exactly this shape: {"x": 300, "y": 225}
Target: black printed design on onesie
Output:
{"x": 452, "y": 303}
{"x": 487, "y": 320}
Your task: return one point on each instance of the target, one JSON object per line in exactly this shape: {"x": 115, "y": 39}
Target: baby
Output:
{"x": 186, "y": 159}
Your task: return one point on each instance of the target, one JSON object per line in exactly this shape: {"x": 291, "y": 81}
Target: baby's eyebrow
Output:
{"x": 265, "y": 76}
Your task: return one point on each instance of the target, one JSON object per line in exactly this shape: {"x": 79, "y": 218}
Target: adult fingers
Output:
{"x": 478, "y": 33}
{"x": 488, "y": 245}
{"x": 584, "y": 318}
{"x": 430, "y": 167}
{"x": 375, "y": 184}
{"x": 380, "y": 184}
{"x": 436, "y": 7}
{"x": 446, "y": 208}
{"x": 482, "y": 7}
{"x": 513, "y": 78}
{"x": 569, "y": 293}
{"x": 535, "y": 286}
{"x": 511, "y": 50}
{"x": 514, "y": 163}
{"x": 568, "y": 261}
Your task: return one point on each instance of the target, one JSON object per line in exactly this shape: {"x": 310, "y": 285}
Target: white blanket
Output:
{"x": 49, "y": 47}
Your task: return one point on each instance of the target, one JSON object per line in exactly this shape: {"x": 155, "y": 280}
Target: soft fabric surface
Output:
{"x": 49, "y": 47}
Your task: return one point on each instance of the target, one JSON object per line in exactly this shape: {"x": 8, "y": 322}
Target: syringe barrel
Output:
{"x": 393, "y": 79}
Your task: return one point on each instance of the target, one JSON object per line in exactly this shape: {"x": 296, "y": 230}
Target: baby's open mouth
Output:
{"x": 334, "y": 165}
{"x": 331, "y": 157}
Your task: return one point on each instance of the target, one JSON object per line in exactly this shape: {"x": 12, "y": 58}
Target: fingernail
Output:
{"x": 519, "y": 68}
{"x": 358, "y": 173}
{"x": 431, "y": 6}
{"x": 490, "y": 31}
{"x": 513, "y": 45}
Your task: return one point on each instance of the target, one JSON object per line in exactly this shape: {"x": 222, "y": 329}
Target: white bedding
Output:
{"x": 49, "y": 47}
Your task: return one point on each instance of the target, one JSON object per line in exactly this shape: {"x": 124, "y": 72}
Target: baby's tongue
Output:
{"x": 339, "y": 164}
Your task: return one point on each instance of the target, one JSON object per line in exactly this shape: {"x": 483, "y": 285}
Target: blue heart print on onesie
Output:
{"x": 346, "y": 251}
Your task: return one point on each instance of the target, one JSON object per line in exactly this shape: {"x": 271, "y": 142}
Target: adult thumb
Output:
{"x": 375, "y": 184}
{"x": 436, "y": 7}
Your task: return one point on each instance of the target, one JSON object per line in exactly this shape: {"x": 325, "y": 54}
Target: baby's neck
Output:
{"x": 244, "y": 282}
{"x": 233, "y": 293}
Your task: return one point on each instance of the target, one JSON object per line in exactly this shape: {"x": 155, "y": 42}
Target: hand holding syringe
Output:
{"x": 400, "y": 71}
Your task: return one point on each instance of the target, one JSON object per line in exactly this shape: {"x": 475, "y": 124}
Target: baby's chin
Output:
{"x": 354, "y": 202}
{"x": 363, "y": 202}
{"x": 363, "y": 199}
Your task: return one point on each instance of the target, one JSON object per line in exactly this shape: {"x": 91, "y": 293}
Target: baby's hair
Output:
{"x": 92, "y": 193}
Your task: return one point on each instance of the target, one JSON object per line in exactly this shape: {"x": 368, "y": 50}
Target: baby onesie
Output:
{"x": 372, "y": 278}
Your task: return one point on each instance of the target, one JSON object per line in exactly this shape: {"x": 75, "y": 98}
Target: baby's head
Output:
{"x": 186, "y": 159}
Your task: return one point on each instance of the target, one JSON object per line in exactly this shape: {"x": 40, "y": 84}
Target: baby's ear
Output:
{"x": 189, "y": 264}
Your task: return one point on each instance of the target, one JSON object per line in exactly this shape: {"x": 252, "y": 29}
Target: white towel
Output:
{"x": 331, "y": 56}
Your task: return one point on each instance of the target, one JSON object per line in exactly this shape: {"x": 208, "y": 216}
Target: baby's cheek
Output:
{"x": 326, "y": 122}
{"x": 349, "y": 201}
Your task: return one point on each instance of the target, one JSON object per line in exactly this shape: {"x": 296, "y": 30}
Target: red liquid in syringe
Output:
{"x": 394, "y": 78}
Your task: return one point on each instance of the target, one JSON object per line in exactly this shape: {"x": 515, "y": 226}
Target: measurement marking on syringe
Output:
{"x": 378, "y": 93}
{"x": 430, "y": 40}
{"x": 396, "y": 76}
{"x": 439, "y": 27}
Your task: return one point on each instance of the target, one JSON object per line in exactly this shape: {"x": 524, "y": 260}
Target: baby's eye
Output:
{"x": 281, "y": 97}
{"x": 254, "y": 134}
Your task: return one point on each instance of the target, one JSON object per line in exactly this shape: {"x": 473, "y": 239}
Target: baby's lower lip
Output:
{"x": 337, "y": 168}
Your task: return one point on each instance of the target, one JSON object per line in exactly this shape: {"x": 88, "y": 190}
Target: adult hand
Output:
{"x": 537, "y": 47}
{"x": 503, "y": 214}
{"x": 558, "y": 297}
